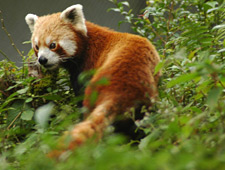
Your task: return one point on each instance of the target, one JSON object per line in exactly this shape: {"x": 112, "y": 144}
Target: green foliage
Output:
{"x": 20, "y": 99}
{"x": 185, "y": 128}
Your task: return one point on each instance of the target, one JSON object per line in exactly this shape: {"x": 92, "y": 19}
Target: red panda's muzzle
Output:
{"x": 48, "y": 58}
{"x": 42, "y": 60}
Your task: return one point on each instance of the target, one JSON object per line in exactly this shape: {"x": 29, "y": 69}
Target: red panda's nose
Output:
{"x": 42, "y": 60}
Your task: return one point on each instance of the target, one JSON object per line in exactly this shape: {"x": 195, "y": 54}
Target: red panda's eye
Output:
{"x": 36, "y": 47}
{"x": 52, "y": 46}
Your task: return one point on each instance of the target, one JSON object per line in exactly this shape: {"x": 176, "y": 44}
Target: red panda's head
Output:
{"x": 57, "y": 37}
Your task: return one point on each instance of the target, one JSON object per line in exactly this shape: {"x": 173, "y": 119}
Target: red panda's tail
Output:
{"x": 92, "y": 127}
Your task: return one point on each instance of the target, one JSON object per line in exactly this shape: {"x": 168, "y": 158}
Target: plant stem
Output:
{"x": 9, "y": 36}
{"x": 7, "y": 58}
{"x": 14, "y": 120}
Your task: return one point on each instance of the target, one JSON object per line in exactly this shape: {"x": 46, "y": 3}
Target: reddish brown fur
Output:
{"x": 127, "y": 61}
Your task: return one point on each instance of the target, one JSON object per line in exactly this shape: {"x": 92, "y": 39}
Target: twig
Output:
{"x": 221, "y": 84}
{"x": 14, "y": 120}
{"x": 7, "y": 58}
{"x": 157, "y": 34}
{"x": 9, "y": 36}
{"x": 4, "y": 93}
{"x": 170, "y": 15}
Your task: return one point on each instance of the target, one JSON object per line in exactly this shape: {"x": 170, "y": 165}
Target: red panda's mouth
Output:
{"x": 50, "y": 66}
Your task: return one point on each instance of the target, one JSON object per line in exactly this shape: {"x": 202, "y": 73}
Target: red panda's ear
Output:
{"x": 30, "y": 20}
{"x": 74, "y": 14}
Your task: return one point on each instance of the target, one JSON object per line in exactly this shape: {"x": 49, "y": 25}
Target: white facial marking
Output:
{"x": 52, "y": 57}
{"x": 69, "y": 46}
{"x": 36, "y": 41}
{"x": 48, "y": 40}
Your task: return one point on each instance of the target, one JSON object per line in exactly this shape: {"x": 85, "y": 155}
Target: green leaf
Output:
{"x": 218, "y": 27}
{"x": 42, "y": 114}
{"x": 212, "y": 3}
{"x": 221, "y": 51}
{"x": 93, "y": 97}
{"x": 213, "y": 97}
{"x": 9, "y": 100}
{"x": 113, "y": 9}
{"x": 192, "y": 54}
{"x": 186, "y": 131}
{"x": 14, "y": 111}
{"x": 159, "y": 66}
{"x": 212, "y": 9}
{"x": 126, "y": 3}
{"x": 103, "y": 81}
{"x": 27, "y": 114}
{"x": 148, "y": 139}
{"x": 26, "y": 42}
{"x": 52, "y": 97}
{"x": 28, "y": 100}
{"x": 26, "y": 145}
{"x": 182, "y": 79}
{"x": 22, "y": 91}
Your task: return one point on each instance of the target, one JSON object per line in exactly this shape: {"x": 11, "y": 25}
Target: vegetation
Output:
{"x": 185, "y": 129}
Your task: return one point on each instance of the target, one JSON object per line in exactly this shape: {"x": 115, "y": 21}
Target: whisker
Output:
{"x": 30, "y": 62}
{"x": 34, "y": 63}
{"x": 65, "y": 59}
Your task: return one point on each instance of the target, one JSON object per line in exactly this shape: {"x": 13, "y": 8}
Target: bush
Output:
{"x": 185, "y": 129}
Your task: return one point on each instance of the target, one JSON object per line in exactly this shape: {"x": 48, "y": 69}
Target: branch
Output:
{"x": 7, "y": 58}
{"x": 14, "y": 120}
{"x": 9, "y": 36}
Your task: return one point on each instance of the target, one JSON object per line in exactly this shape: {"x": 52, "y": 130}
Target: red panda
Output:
{"x": 127, "y": 61}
